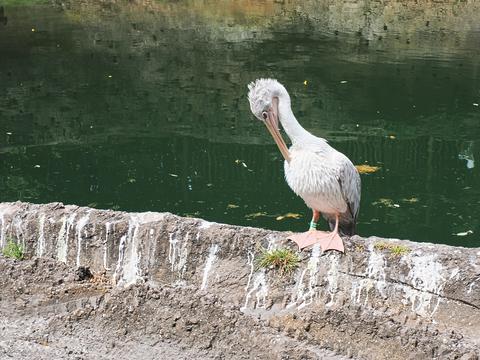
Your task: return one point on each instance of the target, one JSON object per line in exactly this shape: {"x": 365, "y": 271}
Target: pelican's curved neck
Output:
{"x": 294, "y": 130}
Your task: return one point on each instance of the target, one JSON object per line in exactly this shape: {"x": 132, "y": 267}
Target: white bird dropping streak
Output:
{"x": 63, "y": 237}
{"x": 62, "y": 242}
{"x": 41, "y": 236}
{"x": 332, "y": 278}
{"x": 121, "y": 253}
{"x": 178, "y": 253}
{"x": 212, "y": 255}
{"x": 2, "y": 231}
{"x": 17, "y": 225}
{"x": 250, "y": 261}
{"x": 105, "y": 244}
{"x": 260, "y": 288}
{"x": 183, "y": 254}
{"x": 205, "y": 225}
{"x": 130, "y": 269}
{"x": 172, "y": 249}
{"x": 300, "y": 295}
{"x": 80, "y": 225}
{"x": 427, "y": 279}
{"x": 312, "y": 267}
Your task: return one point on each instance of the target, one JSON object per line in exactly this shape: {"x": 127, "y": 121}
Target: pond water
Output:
{"x": 142, "y": 108}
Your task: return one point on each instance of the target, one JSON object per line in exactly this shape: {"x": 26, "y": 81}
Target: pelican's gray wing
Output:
{"x": 350, "y": 184}
{"x": 350, "y": 188}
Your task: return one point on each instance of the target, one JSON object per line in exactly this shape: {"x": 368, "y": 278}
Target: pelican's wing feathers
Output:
{"x": 347, "y": 174}
{"x": 349, "y": 180}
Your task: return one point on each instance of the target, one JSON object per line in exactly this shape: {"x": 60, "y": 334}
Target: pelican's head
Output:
{"x": 264, "y": 95}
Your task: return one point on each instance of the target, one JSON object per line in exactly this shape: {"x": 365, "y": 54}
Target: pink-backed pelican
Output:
{"x": 323, "y": 177}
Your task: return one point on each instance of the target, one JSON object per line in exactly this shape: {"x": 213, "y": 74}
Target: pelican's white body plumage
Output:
{"x": 314, "y": 177}
{"x": 323, "y": 177}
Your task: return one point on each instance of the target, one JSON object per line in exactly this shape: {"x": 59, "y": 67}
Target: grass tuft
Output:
{"x": 13, "y": 250}
{"x": 399, "y": 250}
{"x": 395, "y": 250}
{"x": 283, "y": 260}
{"x": 381, "y": 245}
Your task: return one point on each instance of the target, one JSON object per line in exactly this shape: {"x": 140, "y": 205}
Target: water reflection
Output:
{"x": 143, "y": 107}
{"x": 467, "y": 154}
{"x": 3, "y": 18}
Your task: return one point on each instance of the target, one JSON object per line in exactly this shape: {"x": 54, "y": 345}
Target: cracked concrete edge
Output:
{"x": 425, "y": 298}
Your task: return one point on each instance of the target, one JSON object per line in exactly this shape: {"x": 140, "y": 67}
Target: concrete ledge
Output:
{"x": 421, "y": 303}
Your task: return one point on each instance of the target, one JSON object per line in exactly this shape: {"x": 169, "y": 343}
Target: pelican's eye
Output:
{"x": 264, "y": 115}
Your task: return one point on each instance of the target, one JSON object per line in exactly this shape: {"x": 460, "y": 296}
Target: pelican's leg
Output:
{"x": 315, "y": 217}
{"x": 312, "y": 236}
{"x": 333, "y": 241}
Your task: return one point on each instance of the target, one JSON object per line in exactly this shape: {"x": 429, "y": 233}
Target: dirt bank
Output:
{"x": 196, "y": 284}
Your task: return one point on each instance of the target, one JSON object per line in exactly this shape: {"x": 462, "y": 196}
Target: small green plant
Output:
{"x": 359, "y": 248}
{"x": 283, "y": 260}
{"x": 381, "y": 246}
{"x": 395, "y": 250}
{"x": 399, "y": 250}
{"x": 13, "y": 250}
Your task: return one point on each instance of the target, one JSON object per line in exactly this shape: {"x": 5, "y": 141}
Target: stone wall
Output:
{"x": 418, "y": 301}
{"x": 373, "y": 18}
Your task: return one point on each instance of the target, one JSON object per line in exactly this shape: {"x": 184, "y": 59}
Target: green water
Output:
{"x": 146, "y": 110}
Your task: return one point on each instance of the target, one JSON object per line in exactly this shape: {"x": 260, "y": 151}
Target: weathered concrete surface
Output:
{"x": 49, "y": 310}
{"x": 368, "y": 303}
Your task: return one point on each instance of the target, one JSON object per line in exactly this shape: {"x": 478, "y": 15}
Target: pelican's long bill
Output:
{"x": 272, "y": 125}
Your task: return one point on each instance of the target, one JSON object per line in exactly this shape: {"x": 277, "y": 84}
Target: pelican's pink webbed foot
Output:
{"x": 327, "y": 241}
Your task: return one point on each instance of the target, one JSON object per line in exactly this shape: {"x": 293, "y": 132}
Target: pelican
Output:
{"x": 323, "y": 177}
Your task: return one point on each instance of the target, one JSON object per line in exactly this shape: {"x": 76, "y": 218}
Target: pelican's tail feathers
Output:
{"x": 347, "y": 229}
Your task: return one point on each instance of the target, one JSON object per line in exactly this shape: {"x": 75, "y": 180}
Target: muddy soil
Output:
{"x": 51, "y": 311}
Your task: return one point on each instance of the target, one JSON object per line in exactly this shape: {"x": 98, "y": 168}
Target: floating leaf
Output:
{"x": 255, "y": 215}
{"x": 465, "y": 233}
{"x": 385, "y": 202}
{"x": 241, "y": 162}
{"x": 288, "y": 216}
{"x": 367, "y": 169}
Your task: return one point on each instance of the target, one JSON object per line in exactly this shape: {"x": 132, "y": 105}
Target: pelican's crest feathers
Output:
{"x": 260, "y": 94}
